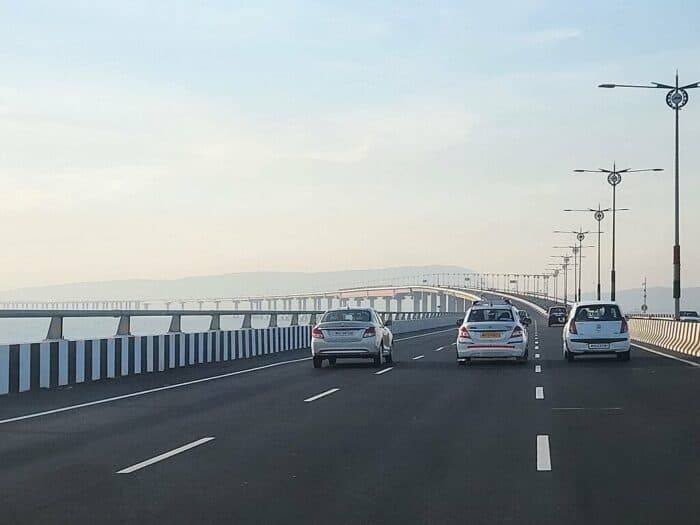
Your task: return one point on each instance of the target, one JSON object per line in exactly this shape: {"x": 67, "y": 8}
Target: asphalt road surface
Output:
{"x": 272, "y": 440}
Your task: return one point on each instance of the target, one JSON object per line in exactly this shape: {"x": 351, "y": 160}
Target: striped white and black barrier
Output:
{"x": 414, "y": 325}
{"x": 51, "y": 364}
{"x": 679, "y": 336}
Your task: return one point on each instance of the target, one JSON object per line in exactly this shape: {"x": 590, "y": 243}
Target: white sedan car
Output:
{"x": 351, "y": 333}
{"x": 491, "y": 329}
{"x": 596, "y": 327}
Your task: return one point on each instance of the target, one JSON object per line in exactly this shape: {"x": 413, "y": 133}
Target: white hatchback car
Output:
{"x": 491, "y": 329}
{"x": 596, "y": 327}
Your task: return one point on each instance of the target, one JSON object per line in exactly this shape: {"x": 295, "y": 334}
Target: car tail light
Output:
{"x": 517, "y": 332}
{"x": 572, "y": 327}
{"x": 623, "y": 327}
{"x": 370, "y": 332}
{"x": 464, "y": 333}
{"x": 316, "y": 333}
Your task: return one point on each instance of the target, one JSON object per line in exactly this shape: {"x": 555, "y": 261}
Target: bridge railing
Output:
{"x": 57, "y": 317}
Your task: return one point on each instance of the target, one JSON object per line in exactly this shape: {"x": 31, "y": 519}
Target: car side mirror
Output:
{"x": 388, "y": 322}
{"x": 459, "y": 322}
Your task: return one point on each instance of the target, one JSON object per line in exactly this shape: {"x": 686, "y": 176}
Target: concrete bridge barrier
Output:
{"x": 679, "y": 336}
{"x": 51, "y": 364}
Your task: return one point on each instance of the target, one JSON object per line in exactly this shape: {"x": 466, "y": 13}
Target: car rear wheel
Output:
{"x": 389, "y": 359}
{"x": 318, "y": 362}
{"x": 378, "y": 358}
{"x": 623, "y": 356}
{"x": 523, "y": 359}
{"x": 332, "y": 360}
{"x": 569, "y": 356}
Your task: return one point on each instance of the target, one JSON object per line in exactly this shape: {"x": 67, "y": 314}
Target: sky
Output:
{"x": 166, "y": 139}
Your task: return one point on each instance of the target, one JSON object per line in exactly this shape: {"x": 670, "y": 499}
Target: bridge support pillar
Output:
{"x": 387, "y": 304}
{"x": 174, "y": 325}
{"x": 330, "y": 302}
{"x": 433, "y": 302}
{"x": 358, "y": 301}
{"x": 371, "y": 302}
{"x": 417, "y": 296}
{"x": 124, "y": 326}
{"x": 55, "y": 328}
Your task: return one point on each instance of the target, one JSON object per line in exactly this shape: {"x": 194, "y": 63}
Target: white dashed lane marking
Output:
{"x": 322, "y": 394}
{"x": 544, "y": 462}
{"x": 166, "y": 455}
{"x": 539, "y": 392}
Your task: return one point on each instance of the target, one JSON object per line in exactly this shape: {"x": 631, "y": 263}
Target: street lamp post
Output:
{"x": 676, "y": 98}
{"x": 580, "y": 236}
{"x": 614, "y": 178}
{"x": 565, "y": 267}
{"x": 598, "y": 215}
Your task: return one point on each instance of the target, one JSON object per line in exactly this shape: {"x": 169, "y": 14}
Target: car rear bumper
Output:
{"x": 496, "y": 351}
{"x": 585, "y": 348}
{"x": 360, "y": 349}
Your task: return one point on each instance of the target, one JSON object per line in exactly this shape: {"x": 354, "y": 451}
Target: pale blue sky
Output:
{"x": 179, "y": 138}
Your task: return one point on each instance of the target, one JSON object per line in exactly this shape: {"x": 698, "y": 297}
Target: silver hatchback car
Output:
{"x": 351, "y": 333}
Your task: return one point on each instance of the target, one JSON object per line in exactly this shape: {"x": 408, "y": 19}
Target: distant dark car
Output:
{"x": 524, "y": 317}
{"x": 556, "y": 316}
{"x": 689, "y": 316}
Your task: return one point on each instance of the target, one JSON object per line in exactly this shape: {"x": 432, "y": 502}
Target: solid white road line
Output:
{"x": 150, "y": 391}
{"x": 430, "y": 333}
{"x": 418, "y": 357}
{"x": 544, "y": 462}
{"x": 441, "y": 348}
{"x": 322, "y": 394}
{"x": 384, "y": 371}
{"x": 539, "y": 392}
{"x": 166, "y": 455}
{"x": 537, "y": 356}
{"x": 691, "y": 363}
{"x": 538, "y": 369}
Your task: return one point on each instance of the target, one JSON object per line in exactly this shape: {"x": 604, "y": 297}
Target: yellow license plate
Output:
{"x": 491, "y": 335}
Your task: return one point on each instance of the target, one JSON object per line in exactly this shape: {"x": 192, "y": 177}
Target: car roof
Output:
{"x": 491, "y": 306}
{"x": 596, "y": 303}
{"x": 350, "y": 308}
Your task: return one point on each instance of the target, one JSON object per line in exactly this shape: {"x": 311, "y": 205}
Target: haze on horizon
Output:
{"x": 165, "y": 139}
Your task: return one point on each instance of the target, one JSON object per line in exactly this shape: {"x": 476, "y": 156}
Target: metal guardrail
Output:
{"x": 650, "y": 316}
{"x": 56, "y": 317}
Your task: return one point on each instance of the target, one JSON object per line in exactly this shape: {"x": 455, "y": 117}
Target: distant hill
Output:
{"x": 226, "y": 285}
{"x": 659, "y": 299}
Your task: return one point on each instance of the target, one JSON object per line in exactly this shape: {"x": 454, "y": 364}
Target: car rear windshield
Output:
{"x": 347, "y": 315}
{"x": 603, "y": 312}
{"x": 490, "y": 314}
{"x": 557, "y": 310}
{"x": 689, "y": 313}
